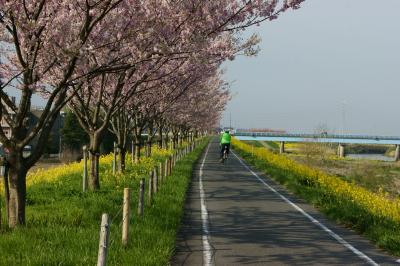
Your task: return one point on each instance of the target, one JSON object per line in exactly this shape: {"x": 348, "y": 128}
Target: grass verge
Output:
{"x": 63, "y": 223}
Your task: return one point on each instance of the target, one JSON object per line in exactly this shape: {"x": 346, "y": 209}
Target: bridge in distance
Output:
{"x": 322, "y": 138}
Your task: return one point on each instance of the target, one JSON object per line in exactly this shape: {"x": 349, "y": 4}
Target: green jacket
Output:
{"x": 225, "y": 138}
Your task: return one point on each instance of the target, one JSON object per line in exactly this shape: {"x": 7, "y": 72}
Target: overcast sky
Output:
{"x": 333, "y": 62}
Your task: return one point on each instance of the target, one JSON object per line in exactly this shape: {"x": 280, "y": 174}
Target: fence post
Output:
{"x": 170, "y": 165}
{"x": 85, "y": 170}
{"x": 166, "y": 168}
{"x": 133, "y": 152}
{"x": 103, "y": 242}
{"x": 151, "y": 188}
{"x": 141, "y": 198}
{"x": 160, "y": 172}
{"x": 126, "y": 216}
{"x": 155, "y": 180}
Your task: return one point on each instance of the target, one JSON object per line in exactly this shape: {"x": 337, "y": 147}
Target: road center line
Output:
{"x": 312, "y": 219}
{"x": 207, "y": 257}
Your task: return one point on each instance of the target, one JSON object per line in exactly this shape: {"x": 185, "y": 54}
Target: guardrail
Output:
{"x": 316, "y": 136}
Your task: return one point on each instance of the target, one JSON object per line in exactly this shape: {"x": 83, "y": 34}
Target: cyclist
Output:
{"x": 225, "y": 142}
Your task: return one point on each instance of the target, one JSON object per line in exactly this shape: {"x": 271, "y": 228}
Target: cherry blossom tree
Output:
{"x": 69, "y": 49}
{"x": 40, "y": 54}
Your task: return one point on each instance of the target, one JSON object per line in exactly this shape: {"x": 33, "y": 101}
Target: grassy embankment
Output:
{"x": 63, "y": 222}
{"x": 373, "y": 214}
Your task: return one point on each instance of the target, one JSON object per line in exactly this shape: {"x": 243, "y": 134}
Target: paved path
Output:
{"x": 236, "y": 219}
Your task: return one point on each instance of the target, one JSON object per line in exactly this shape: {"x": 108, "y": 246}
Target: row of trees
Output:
{"x": 135, "y": 64}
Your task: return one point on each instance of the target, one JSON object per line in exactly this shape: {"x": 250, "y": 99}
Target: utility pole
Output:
{"x": 230, "y": 120}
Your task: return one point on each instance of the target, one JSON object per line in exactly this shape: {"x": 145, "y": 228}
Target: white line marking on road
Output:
{"x": 312, "y": 219}
{"x": 207, "y": 257}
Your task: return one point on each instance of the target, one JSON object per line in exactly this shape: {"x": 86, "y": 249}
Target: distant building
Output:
{"x": 54, "y": 140}
{"x": 4, "y": 125}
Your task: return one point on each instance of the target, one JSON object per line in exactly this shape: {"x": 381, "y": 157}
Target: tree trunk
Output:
{"x": 17, "y": 179}
{"x": 148, "y": 149}
{"x": 160, "y": 137}
{"x": 179, "y": 139}
{"x": 174, "y": 140}
{"x": 94, "y": 156}
{"x": 165, "y": 141}
{"x": 149, "y": 140}
{"x": 122, "y": 157}
{"x": 137, "y": 152}
{"x": 6, "y": 189}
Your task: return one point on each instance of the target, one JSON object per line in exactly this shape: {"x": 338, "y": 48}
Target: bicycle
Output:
{"x": 225, "y": 156}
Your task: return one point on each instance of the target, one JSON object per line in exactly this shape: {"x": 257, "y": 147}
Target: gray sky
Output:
{"x": 333, "y": 62}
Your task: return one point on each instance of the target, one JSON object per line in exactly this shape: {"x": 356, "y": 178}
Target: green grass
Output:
{"x": 254, "y": 143}
{"x": 63, "y": 223}
{"x": 384, "y": 233}
{"x": 274, "y": 145}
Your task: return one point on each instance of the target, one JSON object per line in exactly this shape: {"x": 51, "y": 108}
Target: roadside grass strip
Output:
{"x": 372, "y": 214}
{"x": 63, "y": 222}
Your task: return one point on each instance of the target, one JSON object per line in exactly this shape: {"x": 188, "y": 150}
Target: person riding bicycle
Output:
{"x": 225, "y": 143}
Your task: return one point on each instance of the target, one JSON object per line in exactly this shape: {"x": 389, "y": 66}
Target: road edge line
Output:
{"x": 338, "y": 238}
{"x": 207, "y": 256}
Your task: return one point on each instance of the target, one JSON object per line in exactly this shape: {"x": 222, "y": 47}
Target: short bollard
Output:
{"x": 166, "y": 168}
{"x": 170, "y": 166}
{"x": 141, "y": 198}
{"x": 133, "y": 152}
{"x": 150, "y": 194}
{"x": 103, "y": 242}
{"x": 126, "y": 216}
{"x": 155, "y": 180}
{"x": 160, "y": 172}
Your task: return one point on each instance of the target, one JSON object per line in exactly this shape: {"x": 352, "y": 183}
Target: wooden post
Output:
{"x": 141, "y": 198}
{"x": 166, "y": 168}
{"x": 126, "y": 216}
{"x": 85, "y": 170}
{"x": 103, "y": 242}
{"x": 169, "y": 166}
{"x": 397, "y": 153}
{"x": 115, "y": 158}
{"x": 160, "y": 172}
{"x": 150, "y": 194}
{"x": 133, "y": 152}
{"x": 155, "y": 180}
{"x": 341, "y": 151}
{"x": 282, "y": 147}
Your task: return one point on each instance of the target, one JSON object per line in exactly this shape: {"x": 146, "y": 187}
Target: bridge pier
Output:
{"x": 341, "y": 151}
{"x": 397, "y": 153}
{"x": 282, "y": 147}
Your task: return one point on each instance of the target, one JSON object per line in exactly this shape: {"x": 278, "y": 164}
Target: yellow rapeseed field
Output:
{"x": 57, "y": 173}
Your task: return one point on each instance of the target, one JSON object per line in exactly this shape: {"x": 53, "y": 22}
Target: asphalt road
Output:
{"x": 234, "y": 216}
